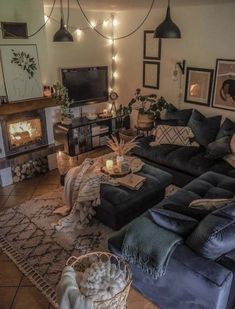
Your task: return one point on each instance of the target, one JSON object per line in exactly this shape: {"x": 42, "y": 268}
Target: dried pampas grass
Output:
{"x": 121, "y": 147}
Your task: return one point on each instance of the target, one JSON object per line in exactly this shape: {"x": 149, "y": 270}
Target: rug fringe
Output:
{"x": 28, "y": 271}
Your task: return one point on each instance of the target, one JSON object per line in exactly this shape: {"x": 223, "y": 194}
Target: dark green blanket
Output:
{"x": 149, "y": 246}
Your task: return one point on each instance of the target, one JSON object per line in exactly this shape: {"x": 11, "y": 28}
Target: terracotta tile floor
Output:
{"x": 16, "y": 291}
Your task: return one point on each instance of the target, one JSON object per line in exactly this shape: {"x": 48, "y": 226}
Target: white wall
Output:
{"x": 208, "y": 33}
{"x": 88, "y": 49}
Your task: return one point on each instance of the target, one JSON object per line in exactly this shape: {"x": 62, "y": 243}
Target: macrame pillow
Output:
{"x": 175, "y": 135}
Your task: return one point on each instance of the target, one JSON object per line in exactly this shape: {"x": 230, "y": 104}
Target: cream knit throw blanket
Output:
{"x": 82, "y": 191}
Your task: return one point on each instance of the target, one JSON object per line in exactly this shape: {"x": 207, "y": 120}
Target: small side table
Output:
{"x": 144, "y": 131}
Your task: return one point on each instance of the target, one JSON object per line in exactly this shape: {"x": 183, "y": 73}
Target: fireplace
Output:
{"x": 23, "y": 132}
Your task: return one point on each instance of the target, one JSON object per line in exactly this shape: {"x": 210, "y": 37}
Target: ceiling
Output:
{"x": 119, "y": 5}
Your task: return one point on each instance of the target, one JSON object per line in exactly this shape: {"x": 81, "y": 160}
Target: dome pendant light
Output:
{"x": 167, "y": 29}
{"x": 62, "y": 35}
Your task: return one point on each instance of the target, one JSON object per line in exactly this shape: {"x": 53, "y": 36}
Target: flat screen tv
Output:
{"x": 86, "y": 85}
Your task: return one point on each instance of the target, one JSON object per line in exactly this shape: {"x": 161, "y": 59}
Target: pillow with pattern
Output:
{"x": 174, "y": 135}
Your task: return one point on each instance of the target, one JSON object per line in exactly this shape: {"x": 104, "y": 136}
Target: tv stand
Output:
{"x": 84, "y": 135}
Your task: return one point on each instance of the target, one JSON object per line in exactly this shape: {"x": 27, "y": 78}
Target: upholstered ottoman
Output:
{"x": 120, "y": 205}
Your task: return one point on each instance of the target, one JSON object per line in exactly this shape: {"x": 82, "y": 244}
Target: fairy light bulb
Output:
{"x": 115, "y": 74}
{"x": 93, "y": 24}
{"x": 115, "y": 22}
{"x": 105, "y": 23}
{"x": 78, "y": 32}
{"x": 46, "y": 18}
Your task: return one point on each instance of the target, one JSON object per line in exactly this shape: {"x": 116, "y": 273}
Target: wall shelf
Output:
{"x": 27, "y": 106}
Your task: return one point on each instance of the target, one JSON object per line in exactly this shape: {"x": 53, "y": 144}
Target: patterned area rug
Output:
{"x": 27, "y": 236}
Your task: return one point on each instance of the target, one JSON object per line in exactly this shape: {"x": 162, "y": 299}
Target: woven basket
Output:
{"x": 83, "y": 262}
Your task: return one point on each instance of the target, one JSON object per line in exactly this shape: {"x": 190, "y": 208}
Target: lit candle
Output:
{"x": 105, "y": 111}
{"x": 109, "y": 164}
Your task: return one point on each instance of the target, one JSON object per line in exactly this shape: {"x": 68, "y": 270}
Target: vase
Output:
{"x": 145, "y": 121}
{"x": 120, "y": 160}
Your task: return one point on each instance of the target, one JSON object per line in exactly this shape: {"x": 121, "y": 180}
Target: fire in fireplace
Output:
{"x": 24, "y": 132}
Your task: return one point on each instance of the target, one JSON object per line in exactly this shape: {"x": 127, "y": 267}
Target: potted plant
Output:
{"x": 149, "y": 108}
{"x": 61, "y": 93}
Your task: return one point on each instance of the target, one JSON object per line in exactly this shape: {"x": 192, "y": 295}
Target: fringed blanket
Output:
{"x": 149, "y": 246}
{"x": 82, "y": 191}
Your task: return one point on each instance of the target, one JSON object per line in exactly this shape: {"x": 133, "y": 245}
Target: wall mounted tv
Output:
{"x": 86, "y": 85}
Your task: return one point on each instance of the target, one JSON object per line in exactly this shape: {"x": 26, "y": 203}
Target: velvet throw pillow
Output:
{"x": 227, "y": 129}
{"x": 173, "y": 221}
{"x": 179, "y": 116}
{"x": 174, "y": 135}
{"x": 205, "y": 129}
{"x": 214, "y": 236}
{"x": 218, "y": 148}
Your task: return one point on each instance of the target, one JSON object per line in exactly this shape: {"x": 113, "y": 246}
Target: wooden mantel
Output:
{"x": 27, "y": 106}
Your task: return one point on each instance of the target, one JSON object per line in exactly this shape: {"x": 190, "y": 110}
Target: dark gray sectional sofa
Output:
{"x": 192, "y": 280}
{"x": 186, "y": 163}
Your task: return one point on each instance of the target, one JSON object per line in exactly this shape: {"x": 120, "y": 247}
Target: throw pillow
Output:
{"x": 218, "y": 148}
{"x": 181, "y": 116}
{"x": 227, "y": 128}
{"x": 209, "y": 204}
{"x": 175, "y": 135}
{"x": 205, "y": 129}
{"x": 231, "y": 157}
{"x": 214, "y": 236}
{"x": 173, "y": 221}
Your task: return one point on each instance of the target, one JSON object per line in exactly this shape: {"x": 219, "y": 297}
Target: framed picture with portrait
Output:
{"x": 198, "y": 86}
{"x": 224, "y": 85}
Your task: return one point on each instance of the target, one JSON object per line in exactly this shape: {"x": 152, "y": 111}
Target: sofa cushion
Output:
{"x": 227, "y": 128}
{"x": 205, "y": 129}
{"x": 173, "y": 221}
{"x": 214, "y": 236}
{"x": 218, "y": 148}
{"x": 181, "y": 117}
{"x": 174, "y": 135}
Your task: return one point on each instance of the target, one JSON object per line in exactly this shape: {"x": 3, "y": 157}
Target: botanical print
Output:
{"x": 21, "y": 72}
{"x": 224, "y": 90}
{"x": 25, "y": 62}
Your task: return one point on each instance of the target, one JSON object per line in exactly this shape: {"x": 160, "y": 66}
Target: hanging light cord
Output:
{"x": 51, "y": 11}
{"x": 121, "y": 37}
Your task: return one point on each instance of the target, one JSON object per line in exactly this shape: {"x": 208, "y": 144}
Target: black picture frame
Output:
{"x": 226, "y": 78}
{"x": 148, "y": 40}
{"x": 203, "y": 87}
{"x": 147, "y": 76}
{"x": 14, "y": 30}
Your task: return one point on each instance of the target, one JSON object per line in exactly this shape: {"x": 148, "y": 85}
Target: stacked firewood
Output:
{"x": 29, "y": 169}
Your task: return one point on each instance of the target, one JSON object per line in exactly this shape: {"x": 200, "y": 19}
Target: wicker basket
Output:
{"x": 127, "y": 134}
{"x": 83, "y": 262}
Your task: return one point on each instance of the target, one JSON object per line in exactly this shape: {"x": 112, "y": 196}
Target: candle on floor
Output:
{"x": 109, "y": 164}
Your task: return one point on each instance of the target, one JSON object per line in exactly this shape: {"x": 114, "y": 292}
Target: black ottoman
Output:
{"x": 120, "y": 205}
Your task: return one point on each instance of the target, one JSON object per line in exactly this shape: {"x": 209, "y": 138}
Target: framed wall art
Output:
{"x": 198, "y": 86}
{"x": 21, "y": 72}
{"x": 224, "y": 85}
{"x": 151, "y": 74}
{"x": 152, "y": 46}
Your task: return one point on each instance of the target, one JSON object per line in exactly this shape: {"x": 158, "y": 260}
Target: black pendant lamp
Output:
{"x": 62, "y": 35}
{"x": 167, "y": 29}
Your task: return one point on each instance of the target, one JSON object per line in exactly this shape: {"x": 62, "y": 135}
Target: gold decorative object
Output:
{"x": 121, "y": 147}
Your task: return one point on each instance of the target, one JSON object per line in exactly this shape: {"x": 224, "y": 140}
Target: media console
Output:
{"x": 84, "y": 135}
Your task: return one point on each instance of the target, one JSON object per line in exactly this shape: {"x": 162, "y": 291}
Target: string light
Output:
{"x": 78, "y": 32}
{"x": 115, "y": 22}
{"x": 93, "y": 24}
{"x": 115, "y": 74}
{"x": 46, "y": 18}
{"x": 105, "y": 23}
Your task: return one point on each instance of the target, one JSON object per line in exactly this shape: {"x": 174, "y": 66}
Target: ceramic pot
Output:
{"x": 66, "y": 120}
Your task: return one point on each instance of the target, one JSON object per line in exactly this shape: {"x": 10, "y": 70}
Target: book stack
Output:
{"x": 132, "y": 181}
